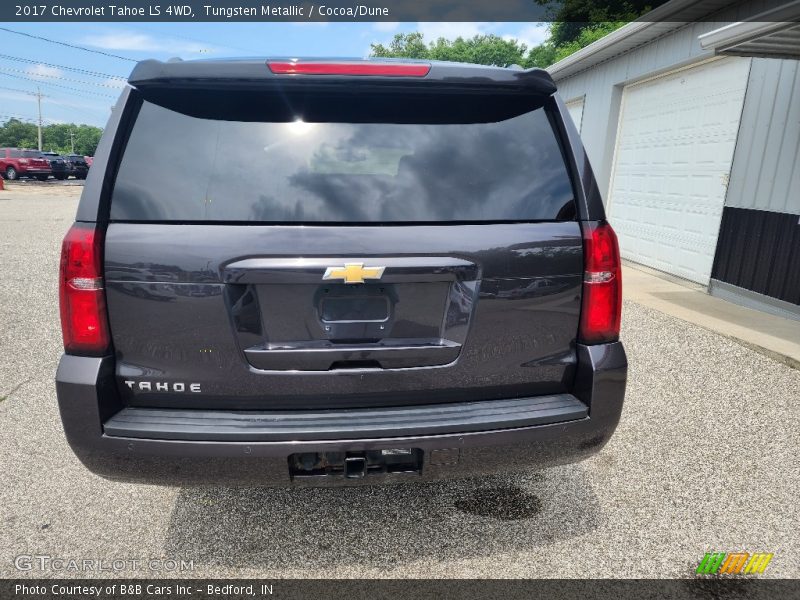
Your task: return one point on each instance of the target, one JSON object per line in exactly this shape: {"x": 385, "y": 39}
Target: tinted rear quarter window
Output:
{"x": 177, "y": 167}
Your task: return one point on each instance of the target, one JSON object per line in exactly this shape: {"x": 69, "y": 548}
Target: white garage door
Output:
{"x": 575, "y": 110}
{"x": 674, "y": 149}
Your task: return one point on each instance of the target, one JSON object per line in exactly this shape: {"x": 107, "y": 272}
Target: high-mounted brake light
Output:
{"x": 601, "y": 308}
{"x": 349, "y": 68}
{"x": 84, "y": 323}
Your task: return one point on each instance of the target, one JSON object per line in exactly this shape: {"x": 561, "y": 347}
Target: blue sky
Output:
{"x": 71, "y": 96}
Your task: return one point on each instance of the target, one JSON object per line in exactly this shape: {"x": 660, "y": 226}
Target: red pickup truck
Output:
{"x": 19, "y": 162}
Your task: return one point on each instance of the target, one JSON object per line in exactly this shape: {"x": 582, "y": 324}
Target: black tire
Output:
{"x": 60, "y": 177}
{"x": 11, "y": 173}
{"x": 42, "y": 177}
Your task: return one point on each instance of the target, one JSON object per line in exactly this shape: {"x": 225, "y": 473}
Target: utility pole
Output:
{"x": 39, "y": 102}
{"x": 72, "y": 141}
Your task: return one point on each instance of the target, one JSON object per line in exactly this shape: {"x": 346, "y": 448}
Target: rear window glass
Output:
{"x": 183, "y": 168}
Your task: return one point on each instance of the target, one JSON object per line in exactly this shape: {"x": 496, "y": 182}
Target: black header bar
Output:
{"x": 336, "y": 10}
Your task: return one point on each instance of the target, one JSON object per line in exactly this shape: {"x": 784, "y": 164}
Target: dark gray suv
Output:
{"x": 326, "y": 271}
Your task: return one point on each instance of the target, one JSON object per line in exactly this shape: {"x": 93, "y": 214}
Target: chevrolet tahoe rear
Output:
{"x": 338, "y": 272}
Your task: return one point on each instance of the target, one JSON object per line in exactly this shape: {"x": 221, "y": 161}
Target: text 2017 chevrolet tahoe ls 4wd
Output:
{"x": 325, "y": 271}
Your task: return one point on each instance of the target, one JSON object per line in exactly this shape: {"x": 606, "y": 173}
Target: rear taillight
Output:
{"x": 601, "y": 308}
{"x": 349, "y": 68}
{"x": 84, "y": 323}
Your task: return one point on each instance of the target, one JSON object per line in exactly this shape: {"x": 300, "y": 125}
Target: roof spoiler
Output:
{"x": 249, "y": 73}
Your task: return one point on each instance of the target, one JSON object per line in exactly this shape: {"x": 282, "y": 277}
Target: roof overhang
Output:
{"x": 658, "y": 22}
{"x": 774, "y": 33}
{"x": 771, "y": 34}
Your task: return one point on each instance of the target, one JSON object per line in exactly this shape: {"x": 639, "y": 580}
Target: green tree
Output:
{"x": 17, "y": 134}
{"x": 55, "y": 137}
{"x": 403, "y": 45}
{"x": 588, "y": 35}
{"x": 86, "y": 139}
{"x": 571, "y": 17}
{"x": 575, "y": 24}
{"x": 541, "y": 56}
{"x": 481, "y": 49}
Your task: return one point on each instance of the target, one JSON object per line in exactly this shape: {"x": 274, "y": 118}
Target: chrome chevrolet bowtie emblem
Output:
{"x": 353, "y": 273}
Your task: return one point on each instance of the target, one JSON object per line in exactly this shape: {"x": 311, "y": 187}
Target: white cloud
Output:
{"x": 385, "y": 26}
{"x": 142, "y": 42}
{"x": 451, "y": 31}
{"x": 41, "y": 71}
{"x": 531, "y": 34}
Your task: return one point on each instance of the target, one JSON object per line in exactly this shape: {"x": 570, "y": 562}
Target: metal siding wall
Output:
{"x": 759, "y": 251}
{"x": 601, "y": 83}
{"x": 766, "y": 164}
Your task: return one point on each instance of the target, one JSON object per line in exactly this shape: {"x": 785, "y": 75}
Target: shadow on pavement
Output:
{"x": 380, "y": 527}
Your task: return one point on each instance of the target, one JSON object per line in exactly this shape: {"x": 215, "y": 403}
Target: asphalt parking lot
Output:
{"x": 705, "y": 459}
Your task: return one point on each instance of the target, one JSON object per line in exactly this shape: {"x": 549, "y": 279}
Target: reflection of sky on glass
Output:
{"x": 340, "y": 171}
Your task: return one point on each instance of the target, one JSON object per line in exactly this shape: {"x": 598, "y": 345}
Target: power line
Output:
{"x": 54, "y": 100}
{"x": 71, "y": 108}
{"x": 51, "y": 121}
{"x": 65, "y": 67}
{"x": 63, "y": 87}
{"x": 44, "y": 39}
{"x": 59, "y": 77}
{"x": 17, "y": 90}
{"x": 39, "y": 96}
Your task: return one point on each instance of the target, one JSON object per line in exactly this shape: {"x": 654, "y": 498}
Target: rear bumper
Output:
{"x": 185, "y": 453}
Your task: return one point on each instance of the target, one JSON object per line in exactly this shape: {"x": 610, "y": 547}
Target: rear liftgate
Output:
{"x": 382, "y": 313}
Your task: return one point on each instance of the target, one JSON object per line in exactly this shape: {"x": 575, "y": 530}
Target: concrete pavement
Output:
{"x": 774, "y": 336}
{"x": 701, "y": 462}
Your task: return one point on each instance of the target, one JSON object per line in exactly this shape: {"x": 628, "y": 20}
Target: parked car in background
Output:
{"x": 58, "y": 164}
{"x": 21, "y": 162}
{"x": 76, "y": 166}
